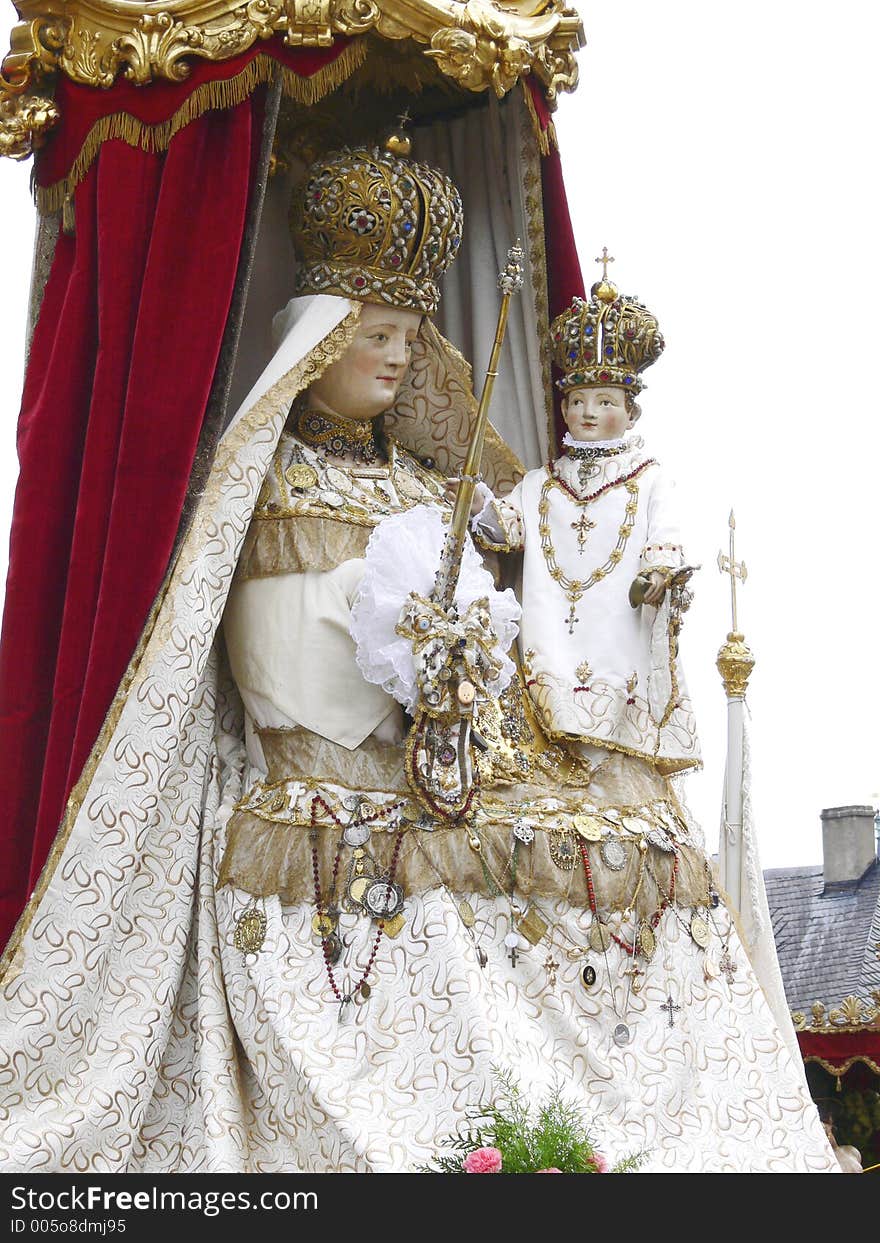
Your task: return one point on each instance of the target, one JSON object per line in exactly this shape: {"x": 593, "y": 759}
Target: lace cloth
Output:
{"x": 402, "y": 558}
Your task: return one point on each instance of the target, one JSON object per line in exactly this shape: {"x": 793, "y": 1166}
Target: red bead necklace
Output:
{"x": 326, "y": 945}
{"x": 655, "y": 918}
{"x": 606, "y": 487}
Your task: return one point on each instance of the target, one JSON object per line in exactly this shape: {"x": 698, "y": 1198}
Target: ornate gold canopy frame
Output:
{"x": 478, "y": 44}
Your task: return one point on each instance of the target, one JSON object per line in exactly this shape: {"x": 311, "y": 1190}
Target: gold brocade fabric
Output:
{"x": 312, "y": 515}
{"x": 295, "y": 545}
{"x": 269, "y": 851}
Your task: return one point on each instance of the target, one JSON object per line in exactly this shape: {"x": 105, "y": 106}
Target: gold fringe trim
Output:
{"x": 273, "y": 402}
{"x": 210, "y": 96}
{"x": 545, "y": 138}
{"x": 842, "y": 1067}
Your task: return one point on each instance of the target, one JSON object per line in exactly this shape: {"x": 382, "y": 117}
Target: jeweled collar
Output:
{"x": 587, "y": 470}
{"x": 590, "y": 450}
{"x": 338, "y": 436}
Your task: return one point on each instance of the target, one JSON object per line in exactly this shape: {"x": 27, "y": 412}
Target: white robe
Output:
{"x": 598, "y": 670}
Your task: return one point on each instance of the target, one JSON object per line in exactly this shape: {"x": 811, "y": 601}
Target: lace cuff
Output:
{"x": 661, "y": 557}
{"x": 498, "y": 527}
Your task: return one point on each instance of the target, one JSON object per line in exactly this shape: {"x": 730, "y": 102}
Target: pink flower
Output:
{"x": 482, "y": 1161}
{"x": 600, "y": 1163}
{"x": 550, "y": 1170}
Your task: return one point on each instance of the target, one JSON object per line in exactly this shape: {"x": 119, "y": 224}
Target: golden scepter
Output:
{"x": 510, "y": 281}
{"x": 439, "y": 765}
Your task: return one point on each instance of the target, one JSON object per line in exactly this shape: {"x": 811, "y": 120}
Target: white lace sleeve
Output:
{"x": 402, "y": 558}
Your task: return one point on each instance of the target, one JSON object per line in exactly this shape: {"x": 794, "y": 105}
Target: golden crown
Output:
{"x": 609, "y": 340}
{"x": 368, "y": 223}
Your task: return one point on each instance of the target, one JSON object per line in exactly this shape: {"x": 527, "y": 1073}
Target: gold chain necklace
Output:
{"x": 575, "y": 588}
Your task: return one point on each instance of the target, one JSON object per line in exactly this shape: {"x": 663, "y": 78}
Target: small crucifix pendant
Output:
{"x": 728, "y": 966}
{"x": 572, "y": 619}
{"x": 671, "y": 1008}
{"x": 583, "y": 526}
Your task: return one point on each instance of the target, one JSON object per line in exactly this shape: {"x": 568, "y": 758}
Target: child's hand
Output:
{"x": 657, "y": 589}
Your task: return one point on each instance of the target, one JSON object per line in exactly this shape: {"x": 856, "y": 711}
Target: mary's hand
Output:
{"x": 482, "y": 494}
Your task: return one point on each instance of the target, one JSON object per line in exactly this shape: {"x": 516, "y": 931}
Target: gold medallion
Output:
{"x": 323, "y": 924}
{"x": 600, "y": 937}
{"x": 301, "y": 476}
{"x": 647, "y": 941}
{"x": 358, "y": 888}
{"x": 394, "y": 926}
{"x": 250, "y": 931}
{"x": 588, "y": 827}
{"x": 466, "y": 914}
{"x": 700, "y": 931}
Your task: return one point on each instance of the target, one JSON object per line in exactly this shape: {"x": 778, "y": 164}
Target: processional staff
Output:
{"x": 445, "y": 641}
{"x": 510, "y": 282}
{"x": 735, "y": 663}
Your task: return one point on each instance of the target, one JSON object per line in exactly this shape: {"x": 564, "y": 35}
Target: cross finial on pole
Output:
{"x": 736, "y": 569}
{"x": 604, "y": 259}
{"x": 404, "y": 118}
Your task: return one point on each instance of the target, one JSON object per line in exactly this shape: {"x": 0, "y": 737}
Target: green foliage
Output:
{"x": 558, "y": 1136}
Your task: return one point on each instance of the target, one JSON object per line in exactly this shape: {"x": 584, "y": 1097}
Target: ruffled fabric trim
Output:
{"x": 614, "y": 443}
{"x": 401, "y": 559}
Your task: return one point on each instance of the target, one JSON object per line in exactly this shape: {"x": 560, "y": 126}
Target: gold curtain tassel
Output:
{"x": 68, "y": 216}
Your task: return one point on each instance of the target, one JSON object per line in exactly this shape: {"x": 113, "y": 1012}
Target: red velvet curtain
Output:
{"x": 839, "y": 1048}
{"x": 118, "y": 380}
{"x": 564, "y": 277}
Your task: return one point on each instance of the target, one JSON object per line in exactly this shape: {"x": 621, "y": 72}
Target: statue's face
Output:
{"x": 366, "y": 380}
{"x": 596, "y": 413}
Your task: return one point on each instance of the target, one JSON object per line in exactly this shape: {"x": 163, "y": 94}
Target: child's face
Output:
{"x": 596, "y": 413}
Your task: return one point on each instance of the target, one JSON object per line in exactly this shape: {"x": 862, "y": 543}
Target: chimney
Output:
{"x": 849, "y": 843}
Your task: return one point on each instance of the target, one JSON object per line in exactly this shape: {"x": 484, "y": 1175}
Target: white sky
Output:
{"x": 725, "y": 155}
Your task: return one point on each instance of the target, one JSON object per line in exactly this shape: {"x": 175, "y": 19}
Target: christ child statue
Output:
{"x": 603, "y": 568}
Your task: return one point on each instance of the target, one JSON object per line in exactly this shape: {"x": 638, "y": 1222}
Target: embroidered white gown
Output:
{"x": 703, "y": 1080}
{"x": 135, "y": 1036}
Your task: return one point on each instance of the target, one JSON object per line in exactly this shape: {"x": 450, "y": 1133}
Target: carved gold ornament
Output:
{"x": 25, "y": 117}
{"x": 852, "y": 1014}
{"x": 735, "y": 663}
{"x": 477, "y": 44}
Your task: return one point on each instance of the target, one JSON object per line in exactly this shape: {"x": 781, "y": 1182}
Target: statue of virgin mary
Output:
{"x": 254, "y": 948}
